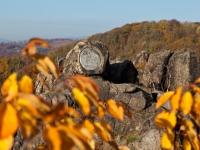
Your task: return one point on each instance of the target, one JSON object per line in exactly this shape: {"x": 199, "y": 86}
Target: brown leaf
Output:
{"x": 30, "y": 48}
{"x": 124, "y": 148}
{"x": 8, "y": 120}
{"x": 115, "y": 109}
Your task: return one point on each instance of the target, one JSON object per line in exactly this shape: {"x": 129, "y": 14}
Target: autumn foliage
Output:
{"x": 181, "y": 130}
{"x": 62, "y": 126}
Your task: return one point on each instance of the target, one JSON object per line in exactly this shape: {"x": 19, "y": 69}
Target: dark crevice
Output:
{"x": 165, "y": 74}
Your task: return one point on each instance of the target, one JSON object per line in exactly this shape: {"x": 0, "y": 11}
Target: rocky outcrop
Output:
{"x": 182, "y": 69}
{"x": 87, "y": 58}
{"x": 154, "y": 72}
{"x": 119, "y": 81}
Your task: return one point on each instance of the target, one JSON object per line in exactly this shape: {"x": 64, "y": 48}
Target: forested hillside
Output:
{"x": 125, "y": 42}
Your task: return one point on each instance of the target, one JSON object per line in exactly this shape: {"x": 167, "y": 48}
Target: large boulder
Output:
{"x": 154, "y": 73}
{"x": 87, "y": 58}
{"x": 182, "y": 69}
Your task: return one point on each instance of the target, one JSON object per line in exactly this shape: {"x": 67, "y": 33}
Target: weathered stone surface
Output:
{"x": 141, "y": 59}
{"x": 149, "y": 141}
{"x": 123, "y": 72}
{"x": 154, "y": 72}
{"x": 87, "y": 58}
{"x": 183, "y": 68}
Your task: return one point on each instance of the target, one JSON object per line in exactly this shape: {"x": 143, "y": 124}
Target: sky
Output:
{"x": 24, "y": 19}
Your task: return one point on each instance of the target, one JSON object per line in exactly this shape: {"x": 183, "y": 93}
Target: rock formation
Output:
{"x": 119, "y": 81}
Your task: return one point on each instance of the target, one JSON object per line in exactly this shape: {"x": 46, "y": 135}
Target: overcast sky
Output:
{"x": 24, "y": 19}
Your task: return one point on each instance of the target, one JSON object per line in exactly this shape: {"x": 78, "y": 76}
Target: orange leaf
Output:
{"x": 53, "y": 138}
{"x": 175, "y": 99}
{"x": 186, "y": 102}
{"x": 30, "y": 48}
{"x": 26, "y": 84}
{"x": 10, "y": 87}
{"x": 115, "y": 109}
{"x": 167, "y": 140}
{"x": 8, "y": 120}
{"x": 108, "y": 128}
{"x": 124, "y": 148}
{"x": 82, "y": 101}
{"x": 89, "y": 126}
{"x": 72, "y": 112}
{"x": 163, "y": 98}
{"x": 101, "y": 110}
{"x": 6, "y": 143}
{"x": 101, "y": 131}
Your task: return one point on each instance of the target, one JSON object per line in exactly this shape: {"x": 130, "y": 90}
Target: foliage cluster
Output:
{"x": 181, "y": 130}
{"x": 125, "y": 42}
{"x": 62, "y": 126}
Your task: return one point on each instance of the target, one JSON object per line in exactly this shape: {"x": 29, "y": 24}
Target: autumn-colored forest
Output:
{"x": 123, "y": 43}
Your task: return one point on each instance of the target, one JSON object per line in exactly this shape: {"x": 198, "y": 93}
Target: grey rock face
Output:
{"x": 87, "y": 58}
{"x": 183, "y": 68}
{"x": 154, "y": 70}
{"x": 141, "y": 59}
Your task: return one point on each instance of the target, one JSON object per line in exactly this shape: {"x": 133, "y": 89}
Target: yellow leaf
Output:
{"x": 163, "y": 98}
{"x": 175, "y": 99}
{"x": 167, "y": 140}
{"x": 85, "y": 85}
{"x": 192, "y": 134}
{"x": 115, "y": 110}
{"x": 10, "y": 87}
{"x": 124, "y": 148}
{"x": 101, "y": 131}
{"x": 8, "y": 120}
{"x": 28, "y": 124}
{"x": 186, "y": 144}
{"x": 27, "y": 106}
{"x": 45, "y": 64}
{"x": 42, "y": 106}
{"x": 82, "y": 101}
{"x": 167, "y": 119}
{"x": 108, "y": 128}
{"x": 26, "y": 84}
{"x": 186, "y": 102}
{"x": 196, "y": 107}
{"x": 30, "y": 48}
{"x": 6, "y": 143}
